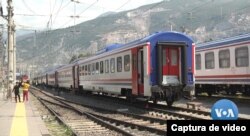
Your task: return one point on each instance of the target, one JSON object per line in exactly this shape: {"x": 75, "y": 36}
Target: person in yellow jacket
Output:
{"x": 25, "y": 90}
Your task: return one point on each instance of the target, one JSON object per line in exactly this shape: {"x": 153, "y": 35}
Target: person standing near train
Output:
{"x": 16, "y": 91}
{"x": 25, "y": 86}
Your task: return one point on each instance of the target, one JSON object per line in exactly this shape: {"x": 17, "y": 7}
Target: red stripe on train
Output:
{"x": 109, "y": 80}
{"x": 223, "y": 76}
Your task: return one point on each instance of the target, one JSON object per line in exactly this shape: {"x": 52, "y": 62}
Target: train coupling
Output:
{"x": 189, "y": 92}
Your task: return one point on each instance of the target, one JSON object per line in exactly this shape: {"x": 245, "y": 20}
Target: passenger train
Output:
{"x": 223, "y": 65}
{"x": 157, "y": 67}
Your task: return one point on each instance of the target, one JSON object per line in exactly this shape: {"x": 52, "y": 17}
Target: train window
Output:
{"x": 126, "y": 63}
{"x": 224, "y": 58}
{"x": 112, "y": 65}
{"x": 86, "y": 69}
{"x": 83, "y": 71}
{"x": 97, "y": 68}
{"x": 106, "y": 66}
{"x": 93, "y": 68}
{"x": 80, "y": 70}
{"x": 174, "y": 57}
{"x": 241, "y": 57}
{"x": 101, "y": 67}
{"x": 164, "y": 58}
{"x": 209, "y": 60}
{"x": 89, "y": 69}
{"x": 198, "y": 61}
{"x": 119, "y": 64}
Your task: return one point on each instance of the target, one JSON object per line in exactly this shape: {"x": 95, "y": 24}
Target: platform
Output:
{"x": 20, "y": 119}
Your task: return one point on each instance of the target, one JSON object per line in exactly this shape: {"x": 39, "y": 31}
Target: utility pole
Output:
{"x": 74, "y": 17}
{"x": 10, "y": 50}
{"x": 33, "y": 53}
{"x": 14, "y": 54}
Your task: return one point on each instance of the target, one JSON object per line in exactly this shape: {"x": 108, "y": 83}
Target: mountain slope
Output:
{"x": 204, "y": 20}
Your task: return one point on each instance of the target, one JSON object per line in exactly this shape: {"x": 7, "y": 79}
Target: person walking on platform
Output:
{"x": 25, "y": 90}
{"x": 16, "y": 91}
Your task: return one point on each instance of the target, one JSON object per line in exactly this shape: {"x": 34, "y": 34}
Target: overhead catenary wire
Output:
{"x": 123, "y": 5}
{"x": 60, "y": 8}
{"x": 91, "y": 5}
{"x": 78, "y": 15}
{"x": 26, "y": 5}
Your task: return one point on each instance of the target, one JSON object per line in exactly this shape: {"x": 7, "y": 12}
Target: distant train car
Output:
{"x": 223, "y": 65}
{"x": 157, "y": 67}
{"x": 20, "y": 77}
{"x": 43, "y": 79}
{"x": 40, "y": 79}
{"x": 65, "y": 77}
{"x": 51, "y": 80}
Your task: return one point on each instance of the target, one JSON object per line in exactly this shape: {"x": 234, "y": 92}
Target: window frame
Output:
{"x": 206, "y": 61}
{"x": 101, "y": 67}
{"x": 89, "y": 69}
{"x": 86, "y": 70}
{"x": 197, "y": 68}
{"x": 246, "y": 57}
{"x": 126, "y": 68}
{"x": 112, "y": 65}
{"x": 119, "y": 64}
{"x": 220, "y": 59}
{"x": 107, "y": 66}
{"x": 97, "y": 67}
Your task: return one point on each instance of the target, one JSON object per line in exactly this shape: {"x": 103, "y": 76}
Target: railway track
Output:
{"x": 176, "y": 113}
{"x": 162, "y": 111}
{"x": 80, "y": 123}
{"x": 132, "y": 124}
{"x": 242, "y": 99}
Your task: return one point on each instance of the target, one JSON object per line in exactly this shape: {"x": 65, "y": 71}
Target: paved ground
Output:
{"x": 20, "y": 119}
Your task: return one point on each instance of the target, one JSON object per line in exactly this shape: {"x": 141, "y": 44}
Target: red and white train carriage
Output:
{"x": 223, "y": 65}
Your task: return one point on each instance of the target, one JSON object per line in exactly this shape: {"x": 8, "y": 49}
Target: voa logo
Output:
{"x": 224, "y": 110}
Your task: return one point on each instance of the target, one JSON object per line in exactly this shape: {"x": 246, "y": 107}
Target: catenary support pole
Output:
{"x": 10, "y": 49}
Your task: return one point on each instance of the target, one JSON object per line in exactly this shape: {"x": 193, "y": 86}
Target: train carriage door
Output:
{"x": 47, "y": 79}
{"x": 56, "y": 79}
{"x": 137, "y": 72}
{"x": 134, "y": 72}
{"x": 170, "y": 65}
{"x": 76, "y": 77}
{"x": 140, "y": 72}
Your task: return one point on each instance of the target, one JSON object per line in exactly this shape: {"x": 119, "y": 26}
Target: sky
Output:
{"x": 53, "y": 14}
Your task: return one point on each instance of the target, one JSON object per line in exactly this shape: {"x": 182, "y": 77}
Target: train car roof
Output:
{"x": 65, "y": 66}
{"x": 52, "y": 70}
{"x": 225, "y": 41}
{"x": 172, "y": 36}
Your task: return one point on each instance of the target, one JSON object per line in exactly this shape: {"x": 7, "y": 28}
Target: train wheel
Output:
{"x": 209, "y": 93}
{"x": 169, "y": 103}
{"x": 195, "y": 93}
{"x": 130, "y": 99}
{"x": 155, "y": 101}
{"x": 233, "y": 92}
